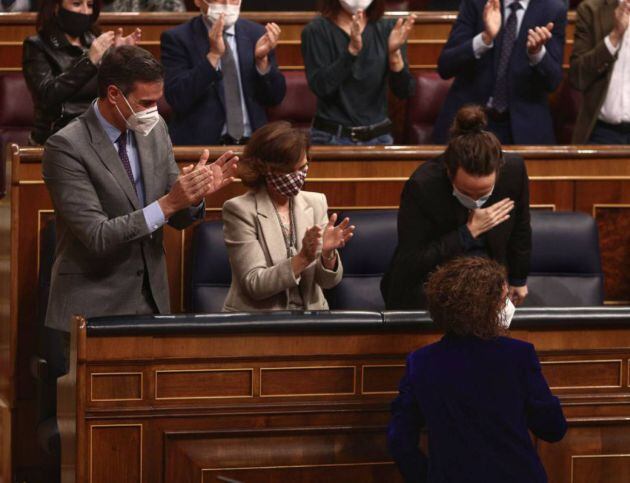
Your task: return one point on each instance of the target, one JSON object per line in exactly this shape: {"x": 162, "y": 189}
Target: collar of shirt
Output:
{"x": 524, "y": 4}
{"x": 208, "y": 24}
{"x": 113, "y": 133}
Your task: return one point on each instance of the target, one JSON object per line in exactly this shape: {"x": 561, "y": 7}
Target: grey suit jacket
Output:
{"x": 261, "y": 271}
{"x": 103, "y": 243}
{"x": 591, "y": 62}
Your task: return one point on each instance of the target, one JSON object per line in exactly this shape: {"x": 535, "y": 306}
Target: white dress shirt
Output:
{"x": 616, "y": 107}
{"x": 480, "y": 47}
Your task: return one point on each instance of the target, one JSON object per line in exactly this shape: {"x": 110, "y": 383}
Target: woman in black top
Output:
{"x": 59, "y": 63}
{"x": 350, "y": 53}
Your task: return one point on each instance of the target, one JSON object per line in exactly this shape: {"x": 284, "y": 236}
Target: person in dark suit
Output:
{"x": 599, "y": 65}
{"x": 506, "y": 56}
{"x": 220, "y": 74}
{"x": 471, "y": 200}
{"x": 477, "y": 392}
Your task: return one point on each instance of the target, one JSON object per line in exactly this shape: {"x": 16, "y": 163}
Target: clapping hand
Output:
{"x": 622, "y": 18}
{"x": 217, "y": 43}
{"x": 265, "y": 45}
{"x": 131, "y": 39}
{"x": 100, "y": 45}
{"x": 538, "y": 37}
{"x": 356, "y": 29}
{"x": 400, "y": 33}
{"x": 221, "y": 173}
{"x": 492, "y": 19}
{"x": 310, "y": 243}
{"x": 335, "y": 237}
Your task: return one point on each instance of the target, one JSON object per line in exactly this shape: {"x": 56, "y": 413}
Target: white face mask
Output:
{"x": 507, "y": 313}
{"x": 231, "y": 13}
{"x": 141, "y": 122}
{"x": 468, "y": 202}
{"x": 353, "y": 6}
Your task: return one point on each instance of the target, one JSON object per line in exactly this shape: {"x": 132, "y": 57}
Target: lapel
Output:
{"x": 270, "y": 227}
{"x": 529, "y": 21}
{"x": 148, "y": 157}
{"x": 106, "y": 152}
{"x": 606, "y": 19}
{"x": 303, "y": 217}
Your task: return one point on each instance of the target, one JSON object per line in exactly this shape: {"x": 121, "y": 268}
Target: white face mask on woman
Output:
{"x": 353, "y": 6}
{"x": 141, "y": 122}
{"x": 231, "y": 13}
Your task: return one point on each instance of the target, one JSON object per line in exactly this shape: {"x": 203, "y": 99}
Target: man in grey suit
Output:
{"x": 114, "y": 183}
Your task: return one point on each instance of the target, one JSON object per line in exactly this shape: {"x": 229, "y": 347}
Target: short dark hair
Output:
{"x": 275, "y": 147}
{"x": 472, "y": 148}
{"x": 46, "y": 22}
{"x": 331, "y": 8}
{"x": 465, "y": 297}
{"x": 124, "y": 66}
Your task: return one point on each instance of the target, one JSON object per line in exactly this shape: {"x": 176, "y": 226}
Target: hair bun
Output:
{"x": 469, "y": 120}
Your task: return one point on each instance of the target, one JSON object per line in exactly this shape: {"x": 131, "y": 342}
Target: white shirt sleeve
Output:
{"x": 480, "y": 47}
{"x": 536, "y": 59}
{"x": 611, "y": 48}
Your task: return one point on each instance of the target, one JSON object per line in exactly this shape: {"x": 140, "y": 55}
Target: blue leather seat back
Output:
{"x": 365, "y": 259}
{"x": 565, "y": 267}
{"x": 211, "y": 273}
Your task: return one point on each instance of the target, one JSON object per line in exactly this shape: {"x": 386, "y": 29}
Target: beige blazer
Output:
{"x": 261, "y": 272}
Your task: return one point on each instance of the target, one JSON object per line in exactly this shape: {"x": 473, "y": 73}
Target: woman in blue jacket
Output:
{"x": 477, "y": 392}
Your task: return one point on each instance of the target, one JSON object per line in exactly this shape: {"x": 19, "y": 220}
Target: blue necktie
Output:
{"x": 500, "y": 96}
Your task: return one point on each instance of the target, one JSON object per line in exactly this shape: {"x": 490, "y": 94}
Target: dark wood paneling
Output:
{"x": 381, "y": 379}
{"x": 584, "y": 374}
{"x": 307, "y": 381}
{"x": 203, "y": 383}
{"x": 115, "y": 453}
{"x": 116, "y": 387}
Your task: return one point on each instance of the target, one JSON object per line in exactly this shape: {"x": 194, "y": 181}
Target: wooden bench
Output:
{"x": 306, "y": 398}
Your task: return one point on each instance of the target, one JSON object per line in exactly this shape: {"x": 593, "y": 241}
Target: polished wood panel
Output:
{"x": 203, "y": 383}
{"x": 307, "y": 381}
{"x": 115, "y": 453}
{"x": 334, "y": 437}
{"x": 116, "y": 386}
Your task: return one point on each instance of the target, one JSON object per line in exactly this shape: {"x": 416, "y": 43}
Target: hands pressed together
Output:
{"x": 262, "y": 49}
{"x": 111, "y": 39}
{"x": 195, "y": 182}
{"x": 325, "y": 241}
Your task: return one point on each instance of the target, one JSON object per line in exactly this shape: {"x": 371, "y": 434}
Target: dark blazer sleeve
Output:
{"x": 419, "y": 250}
{"x": 403, "y": 434}
{"x": 520, "y": 242}
{"x": 590, "y": 59}
{"x": 544, "y": 413}
{"x": 458, "y": 55}
{"x": 402, "y": 83}
{"x": 184, "y": 85}
{"x": 549, "y": 69}
{"x": 46, "y": 88}
{"x": 271, "y": 87}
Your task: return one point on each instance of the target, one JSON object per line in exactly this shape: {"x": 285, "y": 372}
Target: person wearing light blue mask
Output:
{"x": 470, "y": 201}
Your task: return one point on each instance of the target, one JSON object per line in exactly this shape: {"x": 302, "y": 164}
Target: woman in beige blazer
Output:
{"x": 281, "y": 243}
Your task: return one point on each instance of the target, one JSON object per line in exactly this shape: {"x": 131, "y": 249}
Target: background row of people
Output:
{"x": 221, "y": 72}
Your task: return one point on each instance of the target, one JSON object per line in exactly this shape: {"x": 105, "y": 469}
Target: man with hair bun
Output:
{"x": 470, "y": 201}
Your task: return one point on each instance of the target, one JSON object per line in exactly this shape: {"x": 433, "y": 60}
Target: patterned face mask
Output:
{"x": 289, "y": 184}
